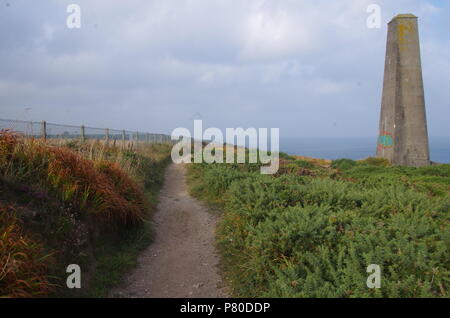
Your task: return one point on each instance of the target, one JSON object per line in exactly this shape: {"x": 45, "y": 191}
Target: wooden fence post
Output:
{"x": 123, "y": 139}
{"x": 137, "y": 140}
{"x": 44, "y": 130}
{"x": 107, "y": 135}
{"x": 83, "y": 136}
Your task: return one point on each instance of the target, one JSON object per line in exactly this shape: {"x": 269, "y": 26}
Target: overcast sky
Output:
{"x": 310, "y": 68}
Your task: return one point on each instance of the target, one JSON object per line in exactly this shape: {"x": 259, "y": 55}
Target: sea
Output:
{"x": 352, "y": 147}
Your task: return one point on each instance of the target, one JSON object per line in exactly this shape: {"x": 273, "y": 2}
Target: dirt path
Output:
{"x": 182, "y": 260}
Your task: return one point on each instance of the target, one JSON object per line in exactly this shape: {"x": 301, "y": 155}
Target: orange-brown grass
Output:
{"x": 129, "y": 158}
{"x": 320, "y": 162}
{"x": 23, "y": 264}
{"x": 91, "y": 186}
{"x": 101, "y": 189}
{"x": 92, "y": 192}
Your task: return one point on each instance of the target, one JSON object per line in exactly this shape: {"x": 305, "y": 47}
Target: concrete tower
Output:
{"x": 403, "y": 138}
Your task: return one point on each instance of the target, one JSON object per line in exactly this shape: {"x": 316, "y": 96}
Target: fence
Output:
{"x": 46, "y": 130}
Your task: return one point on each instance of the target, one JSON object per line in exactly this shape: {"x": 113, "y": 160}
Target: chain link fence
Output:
{"x": 46, "y": 130}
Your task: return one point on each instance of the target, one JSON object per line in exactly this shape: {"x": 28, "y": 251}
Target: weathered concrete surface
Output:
{"x": 403, "y": 138}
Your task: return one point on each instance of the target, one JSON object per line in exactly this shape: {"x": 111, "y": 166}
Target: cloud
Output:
{"x": 152, "y": 64}
{"x": 274, "y": 34}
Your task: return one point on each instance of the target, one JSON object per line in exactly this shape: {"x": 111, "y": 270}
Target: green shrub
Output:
{"x": 375, "y": 162}
{"x": 285, "y": 156}
{"x": 343, "y": 164}
{"x": 296, "y": 236}
{"x": 304, "y": 164}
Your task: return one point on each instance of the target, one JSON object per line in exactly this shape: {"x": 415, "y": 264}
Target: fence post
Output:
{"x": 44, "y": 130}
{"x": 123, "y": 139}
{"x": 137, "y": 140}
{"x": 83, "y": 136}
{"x": 107, "y": 135}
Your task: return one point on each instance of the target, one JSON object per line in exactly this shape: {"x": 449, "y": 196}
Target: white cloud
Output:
{"x": 160, "y": 61}
{"x": 274, "y": 34}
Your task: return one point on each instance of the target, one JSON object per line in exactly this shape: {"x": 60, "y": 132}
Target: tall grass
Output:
{"x": 80, "y": 194}
{"x": 23, "y": 262}
{"x": 97, "y": 186}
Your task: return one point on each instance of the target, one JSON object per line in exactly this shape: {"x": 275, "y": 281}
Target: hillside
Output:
{"x": 314, "y": 228}
{"x": 68, "y": 202}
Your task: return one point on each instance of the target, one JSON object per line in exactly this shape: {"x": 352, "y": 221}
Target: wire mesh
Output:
{"x": 58, "y": 131}
{"x": 27, "y": 128}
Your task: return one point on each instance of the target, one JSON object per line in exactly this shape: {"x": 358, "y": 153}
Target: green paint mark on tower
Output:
{"x": 386, "y": 141}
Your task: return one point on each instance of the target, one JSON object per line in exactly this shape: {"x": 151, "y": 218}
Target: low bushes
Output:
{"x": 314, "y": 236}
{"x": 375, "y": 162}
{"x": 343, "y": 164}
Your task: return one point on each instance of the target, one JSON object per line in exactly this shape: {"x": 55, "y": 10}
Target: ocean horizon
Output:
{"x": 352, "y": 147}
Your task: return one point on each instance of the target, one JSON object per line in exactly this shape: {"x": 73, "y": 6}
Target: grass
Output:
{"x": 116, "y": 257}
{"x": 312, "y": 229}
{"x": 84, "y": 203}
{"x": 24, "y": 264}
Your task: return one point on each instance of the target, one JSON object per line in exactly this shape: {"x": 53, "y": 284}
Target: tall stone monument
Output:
{"x": 403, "y": 138}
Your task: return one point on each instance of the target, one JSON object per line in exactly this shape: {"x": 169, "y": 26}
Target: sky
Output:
{"x": 310, "y": 68}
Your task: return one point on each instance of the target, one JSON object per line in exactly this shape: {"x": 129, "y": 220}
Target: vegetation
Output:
{"x": 24, "y": 265}
{"x": 312, "y": 230}
{"x": 69, "y": 202}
